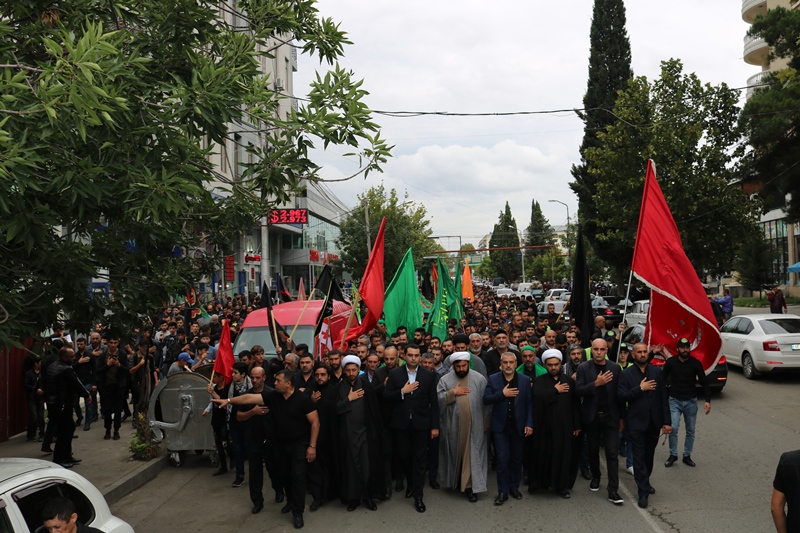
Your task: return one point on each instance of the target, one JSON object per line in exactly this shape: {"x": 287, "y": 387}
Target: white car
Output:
{"x": 762, "y": 343}
{"x": 638, "y": 313}
{"x": 504, "y": 292}
{"x": 26, "y": 485}
{"x": 554, "y": 294}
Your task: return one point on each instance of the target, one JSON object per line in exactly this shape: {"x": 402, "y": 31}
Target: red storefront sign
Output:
{"x": 230, "y": 268}
{"x": 313, "y": 256}
{"x": 288, "y": 216}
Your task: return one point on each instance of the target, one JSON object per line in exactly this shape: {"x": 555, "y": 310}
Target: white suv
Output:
{"x": 26, "y": 485}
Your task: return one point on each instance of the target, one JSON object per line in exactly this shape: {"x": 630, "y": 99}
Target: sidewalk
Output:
{"x": 106, "y": 463}
{"x": 792, "y": 309}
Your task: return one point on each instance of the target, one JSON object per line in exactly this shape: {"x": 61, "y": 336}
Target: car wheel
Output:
{"x": 748, "y": 367}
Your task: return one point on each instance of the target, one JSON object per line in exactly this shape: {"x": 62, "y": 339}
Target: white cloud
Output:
{"x": 471, "y": 56}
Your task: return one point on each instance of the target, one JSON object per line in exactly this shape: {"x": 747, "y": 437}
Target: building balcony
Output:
{"x": 756, "y": 51}
{"x": 756, "y": 79}
{"x": 752, "y": 8}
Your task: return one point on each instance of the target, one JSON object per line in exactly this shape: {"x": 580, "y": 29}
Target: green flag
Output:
{"x": 437, "y": 321}
{"x": 401, "y": 307}
{"x": 456, "y": 305}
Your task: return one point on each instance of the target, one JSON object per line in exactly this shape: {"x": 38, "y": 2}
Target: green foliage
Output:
{"x": 690, "y": 130}
{"x": 539, "y": 231}
{"x": 142, "y": 445}
{"x": 486, "y": 269}
{"x": 406, "y": 227}
{"x": 505, "y": 234}
{"x": 109, "y": 115}
{"x": 754, "y": 262}
{"x": 771, "y": 116}
{"x": 609, "y": 72}
{"x": 549, "y": 267}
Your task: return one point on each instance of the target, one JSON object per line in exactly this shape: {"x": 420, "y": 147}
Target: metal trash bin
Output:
{"x": 180, "y": 400}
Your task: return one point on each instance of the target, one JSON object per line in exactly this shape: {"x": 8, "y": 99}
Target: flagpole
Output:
{"x": 308, "y": 300}
{"x": 349, "y": 321}
{"x": 627, "y": 296}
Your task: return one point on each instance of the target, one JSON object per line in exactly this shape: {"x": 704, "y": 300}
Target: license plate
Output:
{"x": 795, "y": 346}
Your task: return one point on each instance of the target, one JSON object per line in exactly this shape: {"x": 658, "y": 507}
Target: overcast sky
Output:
{"x": 472, "y": 57}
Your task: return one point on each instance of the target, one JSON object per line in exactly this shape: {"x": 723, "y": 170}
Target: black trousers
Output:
{"x": 221, "y": 441}
{"x": 604, "y": 427}
{"x": 292, "y": 464}
{"x": 412, "y": 448}
{"x": 433, "y": 459}
{"x": 35, "y": 416}
{"x": 261, "y": 453}
{"x": 65, "y": 428}
{"x": 644, "y": 449}
{"x": 111, "y": 396}
{"x": 52, "y": 422}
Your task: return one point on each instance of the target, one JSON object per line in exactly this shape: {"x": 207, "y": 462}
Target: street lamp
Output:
{"x": 565, "y": 205}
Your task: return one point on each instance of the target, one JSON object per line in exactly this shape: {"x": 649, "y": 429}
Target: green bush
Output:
{"x": 142, "y": 445}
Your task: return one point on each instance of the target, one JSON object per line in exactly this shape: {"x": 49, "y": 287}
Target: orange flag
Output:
{"x": 466, "y": 283}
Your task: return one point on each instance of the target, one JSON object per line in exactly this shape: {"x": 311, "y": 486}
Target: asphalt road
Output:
{"x": 737, "y": 448}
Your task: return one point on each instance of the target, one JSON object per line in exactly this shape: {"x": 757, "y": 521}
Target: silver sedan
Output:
{"x": 762, "y": 343}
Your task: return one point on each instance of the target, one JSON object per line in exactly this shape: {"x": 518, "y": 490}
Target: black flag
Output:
{"x": 326, "y": 285}
{"x": 427, "y": 287}
{"x": 581, "y": 302}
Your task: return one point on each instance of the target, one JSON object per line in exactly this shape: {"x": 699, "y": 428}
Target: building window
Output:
{"x": 292, "y": 242}
{"x": 775, "y": 232}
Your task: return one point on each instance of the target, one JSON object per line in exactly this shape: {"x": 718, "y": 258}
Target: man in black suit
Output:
{"x": 643, "y": 387}
{"x": 602, "y": 415}
{"x": 415, "y": 418}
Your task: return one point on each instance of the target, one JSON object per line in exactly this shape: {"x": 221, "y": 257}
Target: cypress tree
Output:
{"x": 539, "y": 231}
{"x": 505, "y": 235}
{"x": 609, "y": 72}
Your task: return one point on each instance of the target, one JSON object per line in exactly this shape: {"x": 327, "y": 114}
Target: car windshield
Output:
{"x": 261, "y": 335}
{"x": 778, "y": 326}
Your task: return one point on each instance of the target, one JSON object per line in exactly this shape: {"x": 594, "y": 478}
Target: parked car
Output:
{"x": 638, "y": 313}
{"x": 554, "y": 294}
{"x": 504, "y": 292}
{"x": 762, "y": 343}
{"x": 538, "y": 295}
{"x": 26, "y": 485}
{"x": 717, "y": 378}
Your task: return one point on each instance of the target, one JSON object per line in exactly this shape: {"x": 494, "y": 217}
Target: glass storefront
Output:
{"x": 776, "y": 233}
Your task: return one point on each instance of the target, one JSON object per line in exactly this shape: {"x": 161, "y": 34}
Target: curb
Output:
{"x": 135, "y": 479}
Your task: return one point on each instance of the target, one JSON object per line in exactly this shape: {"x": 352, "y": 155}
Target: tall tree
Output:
{"x": 110, "y": 114}
{"x": 539, "y": 231}
{"x": 771, "y": 116}
{"x": 690, "y": 130}
{"x": 505, "y": 234}
{"x": 609, "y": 72}
{"x": 754, "y": 258}
{"x": 407, "y": 227}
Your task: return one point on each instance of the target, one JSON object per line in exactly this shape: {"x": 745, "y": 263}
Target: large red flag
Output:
{"x": 679, "y": 306}
{"x": 371, "y": 288}
{"x": 223, "y": 364}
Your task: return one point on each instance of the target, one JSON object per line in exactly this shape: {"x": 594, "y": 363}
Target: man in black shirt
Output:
{"x": 682, "y": 374}
{"x": 296, "y": 418}
{"x": 62, "y": 386}
{"x": 786, "y": 492}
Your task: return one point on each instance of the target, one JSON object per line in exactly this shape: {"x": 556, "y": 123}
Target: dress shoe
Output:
{"x": 687, "y": 460}
{"x": 257, "y": 507}
{"x": 116, "y": 435}
{"x": 670, "y": 461}
{"x": 398, "y": 485}
{"x": 586, "y": 473}
{"x": 74, "y": 460}
{"x": 471, "y": 496}
{"x": 237, "y": 482}
{"x": 514, "y": 493}
{"x": 87, "y": 427}
{"x": 370, "y": 504}
{"x": 434, "y": 484}
{"x": 564, "y": 494}
{"x": 107, "y": 436}
{"x": 502, "y": 497}
{"x": 219, "y": 471}
{"x": 279, "y": 497}
{"x": 298, "y": 521}
{"x": 47, "y": 449}
{"x": 614, "y": 498}
{"x": 286, "y": 508}
{"x": 74, "y": 436}
{"x": 643, "y": 502}
{"x": 594, "y": 486}
{"x": 409, "y": 492}
{"x": 651, "y": 490}
{"x": 352, "y": 506}
{"x": 419, "y": 505}
{"x": 315, "y": 505}
{"x": 66, "y": 465}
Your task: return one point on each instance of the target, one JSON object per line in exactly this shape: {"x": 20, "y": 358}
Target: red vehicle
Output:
{"x": 256, "y": 330}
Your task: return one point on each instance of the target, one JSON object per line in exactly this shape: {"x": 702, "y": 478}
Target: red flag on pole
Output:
{"x": 679, "y": 306}
{"x": 372, "y": 288}
{"x": 223, "y": 364}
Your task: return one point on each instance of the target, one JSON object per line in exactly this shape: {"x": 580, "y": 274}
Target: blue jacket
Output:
{"x": 644, "y": 405}
{"x": 726, "y": 303}
{"x": 523, "y": 406}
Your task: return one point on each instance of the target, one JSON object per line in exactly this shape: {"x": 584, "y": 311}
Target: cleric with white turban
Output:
{"x": 550, "y": 354}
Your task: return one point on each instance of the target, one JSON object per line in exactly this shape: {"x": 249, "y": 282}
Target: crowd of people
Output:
{"x": 506, "y": 391}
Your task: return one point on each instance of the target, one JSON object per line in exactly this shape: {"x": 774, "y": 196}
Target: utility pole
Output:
{"x": 366, "y": 219}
